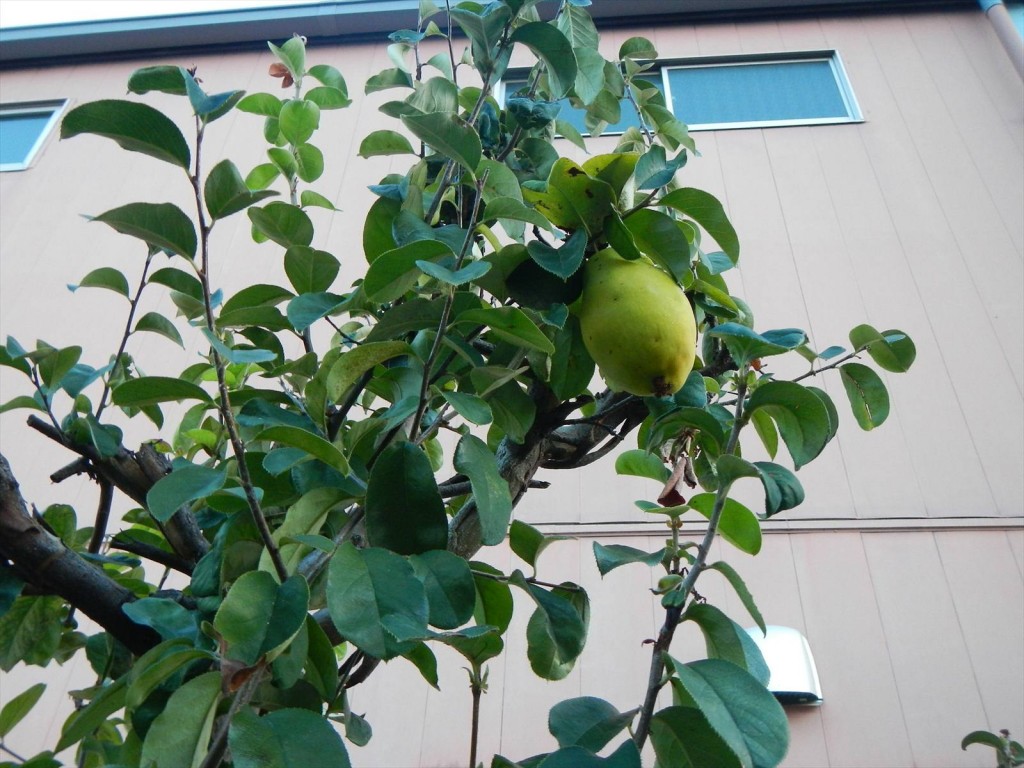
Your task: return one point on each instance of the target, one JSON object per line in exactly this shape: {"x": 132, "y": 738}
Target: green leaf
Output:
{"x": 310, "y": 199}
{"x": 737, "y": 525}
{"x": 264, "y": 104}
{"x": 625, "y": 756}
{"x": 494, "y": 604}
{"x": 557, "y": 630}
{"x": 782, "y": 490}
{"x": 394, "y": 272}
{"x": 470, "y": 407}
{"x": 611, "y": 556}
{"x": 511, "y": 209}
{"x": 383, "y": 143}
{"x": 707, "y": 211}
{"x": 182, "y": 486}
{"x": 891, "y": 350}
{"x": 285, "y": 738}
{"x": 306, "y": 309}
{"x": 740, "y": 710}
{"x": 448, "y": 582}
{"x": 292, "y": 53}
{"x": 157, "y": 323}
{"x": 305, "y": 517}
{"x": 259, "y": 617}
{"x": 510, "y": 324}
{"x": 449, "y": 135}
{"x": 638, "y": 48}
{"x": 150, "y": 390}
{"x": 741, "y": 591}
{"x": 161, "y": 225}
{"x": 105, "y": 277}
{"x": 472, "y": 271}
{"x": 56, "y": 364}
{"x": 725, "y": 639}
{"x": 327, "y": 97}
{"x": 527, "y": 542}
{"x": 167, "y": 617}
{"x": 15, "y": 710}
{"x": 179, "y": 735}
{"x": 283, "y": 223}
{"x": 571, "y": 199}
{"x": 367, "y": 586}
{"x": 157, "y": 665}
{"x": 868, "y": 396}
{"x": 309, "y": 162}
{"x": 261, "y": 176}
{"x": 660, "y": 237}
{"x": 353, "y": 363}
{"x": 654, "y": 169}
{"x": 135, "y": 127}
{"x": 298, "y": 120}
{"x": 982, "y": 737}
{"x": 682, "y": 737}
{"x": 226, "y": 193}
{"x": 564, "y": 261}
{"x": 490, "y": 490}
{"x": 404, "y": 511}
{"x": 642, "y": 464}
{"x": 552, "y": 48}
{"x": 311, "y": 443}
{"x": 800, "y": 415}
{"x": 587, "y": 722}
{"x": 85, "y": 721}
{"x": 165, "y": 79}
{"x": 745, "y": 345}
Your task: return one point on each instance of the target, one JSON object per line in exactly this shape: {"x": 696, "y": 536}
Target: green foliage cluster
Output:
{"x": 299, "y": 494}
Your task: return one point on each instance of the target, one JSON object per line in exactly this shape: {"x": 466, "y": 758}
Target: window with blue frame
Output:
{"x": 742, "y": 92}
{"x": 23, "y": 131}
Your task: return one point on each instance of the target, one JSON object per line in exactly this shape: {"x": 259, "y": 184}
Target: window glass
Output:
{"x": 757, "y": 92}
{"x": 22, "y": 130}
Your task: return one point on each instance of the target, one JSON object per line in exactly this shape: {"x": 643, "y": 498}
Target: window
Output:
{"x": 808, "y": 88}
{"x": 23, "y": 130}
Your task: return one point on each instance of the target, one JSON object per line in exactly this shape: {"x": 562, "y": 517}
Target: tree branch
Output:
{"x": 52, "y": 566}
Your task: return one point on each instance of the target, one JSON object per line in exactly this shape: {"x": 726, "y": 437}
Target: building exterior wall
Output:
{"x": 905, "y": 566}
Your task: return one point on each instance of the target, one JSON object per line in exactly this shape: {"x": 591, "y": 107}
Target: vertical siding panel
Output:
{"x": 861, "y": 713}
{"x": 937, "y": 688}
{"x": 988, "y": 596}
{"x": 965, "y": 340}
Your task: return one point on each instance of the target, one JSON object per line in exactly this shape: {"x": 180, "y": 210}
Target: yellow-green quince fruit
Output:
{"x": 637, "y": 325}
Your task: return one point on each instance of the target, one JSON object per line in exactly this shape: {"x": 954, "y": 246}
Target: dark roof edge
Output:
{"x": 350, "y": 21}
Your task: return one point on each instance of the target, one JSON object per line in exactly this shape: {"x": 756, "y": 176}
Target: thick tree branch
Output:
{"x": 134, "y": 473}
{"x": 53, "y": 567}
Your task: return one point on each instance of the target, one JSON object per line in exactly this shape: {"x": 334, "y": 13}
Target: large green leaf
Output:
{"x": 14, "y": 711}
{"x": 305, "y": 517}
{"x": 156, "y": 666}
{"x": 298, "y": 120}
{"x": 105, "y": 277}
{"x": 571, "y": 199}
{"x": 662, "y": 239}
{"x": 449, "y": 135}
{"x": 259, "y": 617}
{"x": 800, "y": 415}
{"x": 394, "y": 272}
{"x": 310, "y": 270}
{"x": 510, "y": 324}
{"x": 745, "y": 345}
{"x": 737, "y": 524}
{"x": 707, "y": 211}
{"x": 385, "y": 142}
{"x": 587, "y": 722}
{"x": 225, "y": 191}
{"x": 165, "y": 79}
{"x": 448, "y": 581}
{"x": 725, "y": 639}
{"x": 179, "y": 736}
{"x": 528, "y": 542}
{"x": 490, "y": 490}
{"x": 611, "y": 556}
{"x": 557, "y": 631}
{"x": 868, "y": 396}
{"x": 313, "y": 444}
{"x": 741, "y": 591}
{"x": 85, "y": 721}
{"x": 161, "y": 225}
{"x": 642, "y": 464}
{"x": 892, "y": 350}
{"x": 552, "y": 48}
{"x": 182, "y": 486}
{"x": 135, "y": 127}
{"x": 682, "y": 737}
{"x": 562, "y": 261}
{"x": 154, "y": 322}
{"x": 353, "y": 363}
{"x": 285, "y": 738}
{"x": 404, "y": 511}
{"x": 494, "y": 604}
{"x": 284, "y": 223}
{"x": 369, "y": 590}
{"x": 740, "y": 709}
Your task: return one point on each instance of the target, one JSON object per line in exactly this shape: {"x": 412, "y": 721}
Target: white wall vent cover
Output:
{"x": 794, "y": 679}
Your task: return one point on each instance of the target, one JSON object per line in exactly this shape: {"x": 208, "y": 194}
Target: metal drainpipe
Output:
{"x": 1006, "y": 31}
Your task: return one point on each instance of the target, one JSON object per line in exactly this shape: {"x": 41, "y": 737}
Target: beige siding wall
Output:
{"x": 905, "y": 566}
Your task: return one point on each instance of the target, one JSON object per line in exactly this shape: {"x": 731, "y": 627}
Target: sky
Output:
{"x": 22, "y": 13}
